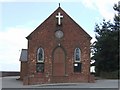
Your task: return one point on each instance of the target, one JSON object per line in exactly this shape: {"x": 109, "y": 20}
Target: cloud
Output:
{"x": 12, "y": 41}
{"x": 105, "y": 8}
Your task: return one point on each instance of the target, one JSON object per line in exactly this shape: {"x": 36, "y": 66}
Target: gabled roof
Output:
{"x": 59, "y": 9}
{"x": 23, "y": 56}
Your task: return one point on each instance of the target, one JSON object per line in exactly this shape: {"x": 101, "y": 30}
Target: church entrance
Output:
{"x": 59, "y": 62}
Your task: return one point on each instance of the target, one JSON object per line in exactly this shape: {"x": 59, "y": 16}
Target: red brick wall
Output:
{"x": 43, "y": 36}
{"x": 23, "y": 71}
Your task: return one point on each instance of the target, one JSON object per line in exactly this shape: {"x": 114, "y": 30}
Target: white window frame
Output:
{"x": 75, "y": 55}
{"x": 38, "y": 51}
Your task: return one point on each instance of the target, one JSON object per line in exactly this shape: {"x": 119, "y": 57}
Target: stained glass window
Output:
{"x": 77, "y": 55}
{"x": 40, "y": 55}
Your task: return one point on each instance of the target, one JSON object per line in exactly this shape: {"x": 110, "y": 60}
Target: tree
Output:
{"x": 106, "y": 48}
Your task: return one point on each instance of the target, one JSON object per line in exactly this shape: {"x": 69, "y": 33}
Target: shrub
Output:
{"x": 110, "y": 75}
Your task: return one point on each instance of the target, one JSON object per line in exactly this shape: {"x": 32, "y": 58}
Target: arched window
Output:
{"x": 40, "y": 55}
{"x": 77, "y": 55}
{"x": 77, "y": 60}
{"x": 40, "y": 60}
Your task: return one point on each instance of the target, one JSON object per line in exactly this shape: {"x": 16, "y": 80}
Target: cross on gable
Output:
{"x": 59, "y": 16}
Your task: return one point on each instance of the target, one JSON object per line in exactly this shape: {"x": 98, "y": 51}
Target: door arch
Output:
{"x": 58, "y": 62}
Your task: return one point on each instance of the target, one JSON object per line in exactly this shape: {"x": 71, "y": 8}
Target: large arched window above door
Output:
{"x": 40, "y": 55}
{"x": 77, "y": 55}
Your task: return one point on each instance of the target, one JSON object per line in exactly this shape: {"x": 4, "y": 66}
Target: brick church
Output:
{"x": 58, "y": 52}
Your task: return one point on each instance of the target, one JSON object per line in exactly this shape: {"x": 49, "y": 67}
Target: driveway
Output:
{"x": 10, "y": 83}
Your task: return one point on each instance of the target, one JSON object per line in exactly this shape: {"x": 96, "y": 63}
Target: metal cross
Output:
{"x": 59, "y": 18}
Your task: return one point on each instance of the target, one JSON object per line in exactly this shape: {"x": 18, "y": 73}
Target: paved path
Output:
{"x": 11, "y": 82}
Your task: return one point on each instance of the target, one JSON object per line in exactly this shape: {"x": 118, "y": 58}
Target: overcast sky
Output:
{"x": 20, "y": 18}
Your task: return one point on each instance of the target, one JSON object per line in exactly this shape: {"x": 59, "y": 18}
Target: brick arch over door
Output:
{"x": 58, "y": 62}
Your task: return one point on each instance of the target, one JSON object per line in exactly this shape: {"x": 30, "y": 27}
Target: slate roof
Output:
{"x": 23, "y": 56}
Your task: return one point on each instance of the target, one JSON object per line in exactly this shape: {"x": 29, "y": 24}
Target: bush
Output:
{"x": 110, "y": 75}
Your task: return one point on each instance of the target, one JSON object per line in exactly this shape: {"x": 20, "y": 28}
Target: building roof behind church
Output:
{"x": 23, "y": 56}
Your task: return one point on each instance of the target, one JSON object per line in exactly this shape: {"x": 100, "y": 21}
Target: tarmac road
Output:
{"x": 10, "y": 83}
